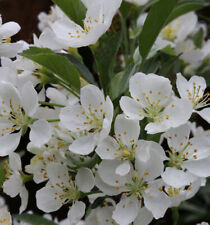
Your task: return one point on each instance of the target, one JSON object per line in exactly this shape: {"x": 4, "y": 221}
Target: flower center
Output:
{"x": 195, "y": 97}
{"x": 14, "y": 115}
{"x": 137, "y": 187}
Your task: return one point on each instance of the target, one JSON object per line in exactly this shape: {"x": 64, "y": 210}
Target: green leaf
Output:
{"x": 56, "y": 64}
{"x": 2, "y": 172}
{"x": 198, "y": 38}
{"x": 34, "y": 219}
{"x": 83, "y": 70}
{"x": 186, "y": 6}
{"x": 74, "y": 9}
{"x": 119, "y": 83}
{"x": 105, "y": 55}
{"x": 154, "y": 23}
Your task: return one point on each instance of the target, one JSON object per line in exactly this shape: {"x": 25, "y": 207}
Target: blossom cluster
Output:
{"x": 141, "y": 153}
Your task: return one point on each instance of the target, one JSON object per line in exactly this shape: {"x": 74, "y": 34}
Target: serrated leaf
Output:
{"x": 186, "y": 6}
{"x": 105, "y": 55}
{"x": 34, "y": 219}
{"x": 56, "y": 64}
{"x": 74, "y": 9}
{"x": 154, "y": 23}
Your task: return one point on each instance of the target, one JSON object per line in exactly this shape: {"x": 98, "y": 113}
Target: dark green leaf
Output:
{"x": 74, "y": 9}
{"x": 2, "y": 171}
{"x": 120, "y": 82}
{"x": 185, "y": 7}
{"x": 154, "y": 23}
{"x": 105, "y": 55}
{"x": 57, "y": 64}
{"x": 83, "y": 70}
{"x": 198, "y": 38}
{"x": 33, "y": 219}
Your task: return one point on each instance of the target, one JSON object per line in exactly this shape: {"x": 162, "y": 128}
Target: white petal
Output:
{"x": 91, "y": 96}
{"x": 108, "y": 148}
{"x": 85, "y": 179}
{"x": 76, "y": 212}
{"x": 123, "y": 169}
{"x": 126, "y": 211}
{"x": 105, "y": 188}
{"x": 56, "y": 96}
{"x": 73, "y": 119}
{"x": 15, "y": 162}
{"x": 175, "y": 178}
{"x": 144, "y": 217}
{"x": 46, "y": 201}
{"x": 142, "y": 88}
{"x": 83, "y": 145}
{"x": 9, "y": 29}
{"x": 107, "y": 172}
{"x": 13, "y": 185}
{"x": 200, "y": 168}
{"x": 127, "y": 130}
{"x": 178, "y": 138}
{"x": 24, "y": 199}
{"x": 10, "y": 94}
{"x": 149, "y": 160}
{"x": 9, "y": 143}
{"x": 156, "y": 201}
{"x": 40, "y": 133}
{"x": 29, "y": 99}
{"x": 57, "y": 173}
{"x": 131, "y": 108}
{"x": 205, "y": 114}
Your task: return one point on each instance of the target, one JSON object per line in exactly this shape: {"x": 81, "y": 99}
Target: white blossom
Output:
{"x": 156, "y": 102}
{"x": 14, "y": 185}
{"x": 98, "y": 20}
{"x": 92, "y": 119}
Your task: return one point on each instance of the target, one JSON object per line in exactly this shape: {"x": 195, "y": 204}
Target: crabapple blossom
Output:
{"x": 7, "y": 30}
{"x": 137, "y": 185}
{"x": 155, "y": 102}
{"x": 61, "y": 188}
{"x": 17, "y": 108}
{"x": 92, "y": 118}
{"x": 189, "y": 158}
{"x": 193, "y": 91}
{"x": 14, "y": 184}
{"x": 98, "y": 20}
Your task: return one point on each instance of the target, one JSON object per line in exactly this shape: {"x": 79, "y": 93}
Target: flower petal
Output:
{"x": 85, "y": 179}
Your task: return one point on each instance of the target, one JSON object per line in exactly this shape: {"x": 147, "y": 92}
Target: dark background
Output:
{"x": 25, "y": 13}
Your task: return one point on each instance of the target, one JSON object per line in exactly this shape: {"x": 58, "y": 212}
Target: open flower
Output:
{"x": 7, "y": 30}
{"x": 98, "y": 20}
{"x": 180, "y": 28}
{"x": 138, "y": 185}
{"x": 14, "y": 184}
{"x": 62, "y": 188}
{"x": 152, "y": 97}
{"x": 17, "y": 108}
{"x": 189, "y": 158}
{"x": 193, "y": 91}
{"x": 124, "y": 143}
{"x": 92, "y": 119}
